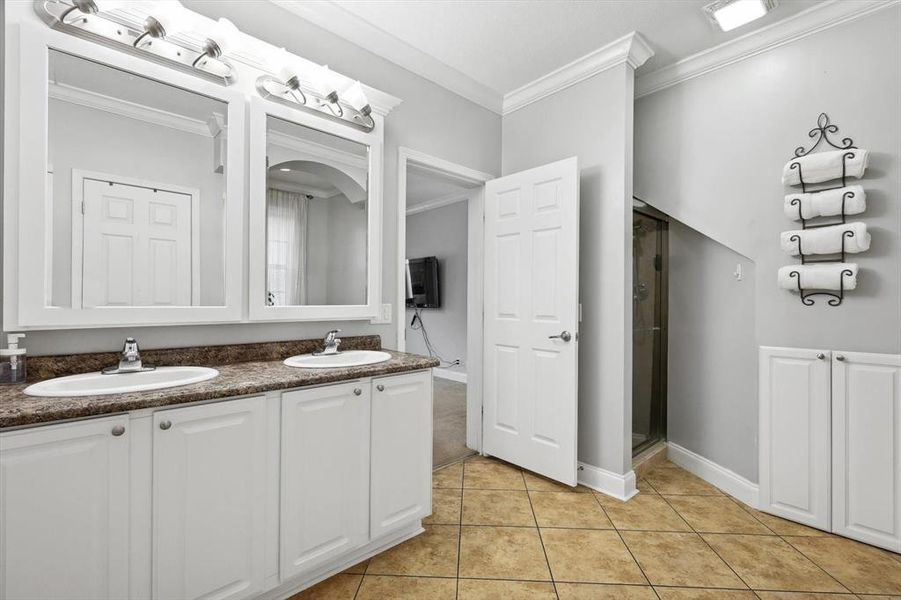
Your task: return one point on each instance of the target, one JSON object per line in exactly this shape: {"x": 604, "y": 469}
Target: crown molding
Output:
{"x": 447, "y": 200}
{"x": 131, "y": 110}
{"x": 813, "y": 20}
{"x": 346, "y": 24}
{"x": 631, "y": 49}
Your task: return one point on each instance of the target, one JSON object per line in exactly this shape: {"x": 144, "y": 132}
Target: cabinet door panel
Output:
{"x": 795, "y": 435}
{"x": 401, "y": 451}
{"x": 209, "y": 500}
{"x": 64, "y": 511}
{"x": 325, "y": 474}
{"x": 866, "y": 459}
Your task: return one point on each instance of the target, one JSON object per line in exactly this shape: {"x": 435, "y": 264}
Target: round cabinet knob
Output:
{"x": 821, "y": 356}
{"x": 840, "y": 358}
{"x": 165, "y": 425}
{"x": 357, "y": 391}
{"x": 380, "y": 387}
{"x": 118, "y": 430}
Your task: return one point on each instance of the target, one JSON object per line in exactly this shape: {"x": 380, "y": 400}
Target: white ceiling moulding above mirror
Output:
{"x": 631, "y": 49}
{"x": 813, "y": 20}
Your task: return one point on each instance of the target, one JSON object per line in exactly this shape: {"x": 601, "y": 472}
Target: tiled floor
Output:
{"x": 501, "y": 533}
{"x": 449, "y": 422}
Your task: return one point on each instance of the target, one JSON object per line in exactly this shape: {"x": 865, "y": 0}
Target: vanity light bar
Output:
{"x": 331, "y": 105}
{"x": 94, "y": 20}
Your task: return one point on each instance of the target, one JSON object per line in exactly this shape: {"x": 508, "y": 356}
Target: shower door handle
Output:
{"x": 563, "y": 335}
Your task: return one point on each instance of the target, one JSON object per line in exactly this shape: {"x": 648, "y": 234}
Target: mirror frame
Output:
{"x": 26, "y": 257}
{"x": 260, "y": 110}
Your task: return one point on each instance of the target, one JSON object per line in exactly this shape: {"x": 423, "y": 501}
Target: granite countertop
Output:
{"x": 235, "y": 379}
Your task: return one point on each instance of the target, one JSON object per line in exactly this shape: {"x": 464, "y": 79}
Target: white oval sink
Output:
{"x": 98, "y": 384}
{"x": 349, "y": 358}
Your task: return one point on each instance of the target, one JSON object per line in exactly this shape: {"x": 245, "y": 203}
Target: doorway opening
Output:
{"x": 439, "y": 268}
{"x": 649, "y": 327}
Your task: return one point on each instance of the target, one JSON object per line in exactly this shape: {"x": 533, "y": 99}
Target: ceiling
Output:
{"x": 498, "y": 46}
{"x": 425, "y": 185}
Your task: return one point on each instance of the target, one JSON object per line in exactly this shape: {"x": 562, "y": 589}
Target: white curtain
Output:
{"x": 286, "y": 240}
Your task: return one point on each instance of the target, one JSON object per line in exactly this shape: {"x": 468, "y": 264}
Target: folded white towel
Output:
{"x": 823, "y": 166}
{"x": 826, "y": 203}
{"x": 827, "y": 276}
{"x": 827, "y": 240}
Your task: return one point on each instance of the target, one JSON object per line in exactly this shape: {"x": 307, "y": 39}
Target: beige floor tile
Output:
{"x": 644, "y": 512}
{"x": 537, "y": 483}
{"x": 604, "y": 591}
{"x": 502, "y": 553}
{"x": 565, "y": 509}
{"x": 337, "y": 587}
{"x": 715, "y": 514}
{"x": 492, "y": 476}
{"x": 488, "y": 589}
{"x": 809, "y": 596}
{"x": 445, "y": 507}
{"x": 430, "y": 554}
{"x": 679, "y": 559}
{"x": 497, "y": 507}
{"x": 404, "y": 588}
{"x": 589, "y": 556}
{"x": 450, "y": 476}
{"x": 666, "y": 593}
{"x": 679, "y": 481}
{"x": 644, "y": 487}
{"x": 781, "y": 526}
{"x": 357, "y": 569}
{"x": 770, "y": 563}
{"x": 862, "y": 569}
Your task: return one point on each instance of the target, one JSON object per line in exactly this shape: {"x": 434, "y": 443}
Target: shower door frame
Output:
{"x": 657, "y": 430}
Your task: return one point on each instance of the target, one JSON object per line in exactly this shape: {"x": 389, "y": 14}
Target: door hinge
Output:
{"x": 82, "y": 207}
{"x": 658, "y": 262}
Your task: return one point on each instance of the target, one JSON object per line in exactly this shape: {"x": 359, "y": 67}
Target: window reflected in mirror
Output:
{"x": 316, "y": 217}
{"x": 136, "y": 179}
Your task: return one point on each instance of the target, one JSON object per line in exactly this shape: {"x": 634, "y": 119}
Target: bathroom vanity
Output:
{"x": 255, "y": 484}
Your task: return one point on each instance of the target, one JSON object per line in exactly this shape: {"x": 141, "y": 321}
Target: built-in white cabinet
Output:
{"x": 830, "y": 441}
{"x": 866, "y": 450}
{"x": 401, "y": 451}
{"x": 65, "y": 511}
{"x": 325, "y": 474}
{"x": 209, "y": 500}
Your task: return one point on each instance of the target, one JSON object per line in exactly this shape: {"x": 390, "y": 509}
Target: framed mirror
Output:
{"x": 315, "y": 217}
{"x": 130, "y": 182}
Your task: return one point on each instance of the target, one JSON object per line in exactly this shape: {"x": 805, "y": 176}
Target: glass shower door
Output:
{"x": 648, "y": 332}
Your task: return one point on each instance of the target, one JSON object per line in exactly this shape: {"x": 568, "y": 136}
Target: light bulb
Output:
{"x": 284, "y": 67}
{"x": 170, "y": 16}
{"x": 226, "y": 36}
{"x": 323, "y": 81}
{"x": 354, "y": 96}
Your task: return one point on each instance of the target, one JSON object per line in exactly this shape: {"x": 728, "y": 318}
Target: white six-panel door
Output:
{"x": 866, "y": 453}
{"x": 64, "y": 511}
{"x": 531, "y": 319}
{"x": 209, "y": 500}
{"x": 137, "y": 246}
{"x": 795, "y": 432}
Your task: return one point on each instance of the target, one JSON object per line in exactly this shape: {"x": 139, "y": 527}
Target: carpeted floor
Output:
{"x": 449, "y": 415}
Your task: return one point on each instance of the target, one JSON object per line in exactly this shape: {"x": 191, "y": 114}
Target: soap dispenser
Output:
{"x": 12, "y": 360}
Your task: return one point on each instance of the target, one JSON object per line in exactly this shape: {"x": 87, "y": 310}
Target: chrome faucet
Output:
{"x": 129, "y": 359}
{"x": 331, "y": 342}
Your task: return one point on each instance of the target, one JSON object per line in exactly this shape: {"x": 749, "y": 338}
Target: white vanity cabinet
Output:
{"x": 209, "y": 500}
{"x": 325, "y": 474}
{"x": 830, "y": 441}
{"x": 401, "y": 451}
{"x": 65, "y": 511}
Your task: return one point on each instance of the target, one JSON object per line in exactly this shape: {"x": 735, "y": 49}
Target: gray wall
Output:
{"x": 593, "y": 120}
{"x": 710, "y": 152}
{"x": 431, "y": 120}
{"x": 442, "y": 232}
{"x": 712, "y": 392}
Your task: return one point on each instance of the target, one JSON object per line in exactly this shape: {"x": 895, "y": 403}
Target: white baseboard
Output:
{"x": 730, "y": 482}
{"x": 442, "y": 373}
{"x": 621, "y": 487}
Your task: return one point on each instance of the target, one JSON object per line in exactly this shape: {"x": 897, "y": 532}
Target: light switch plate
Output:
{"x": 385, "y": 315}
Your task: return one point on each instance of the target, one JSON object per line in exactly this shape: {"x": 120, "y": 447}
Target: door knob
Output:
{"x": 563, "y": 335}
{"x": 165, "y": 425}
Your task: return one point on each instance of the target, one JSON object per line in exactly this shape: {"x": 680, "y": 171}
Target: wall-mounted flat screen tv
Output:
{"x": 422, "y": 283}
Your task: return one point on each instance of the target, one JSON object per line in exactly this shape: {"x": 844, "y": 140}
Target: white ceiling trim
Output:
{"x": 811, "y": 21}
{"x": 631, "y": 49}
{"x": 434, "y": 203}
{"x": 131, "y": 110}
{"x": 341, "y": 22}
